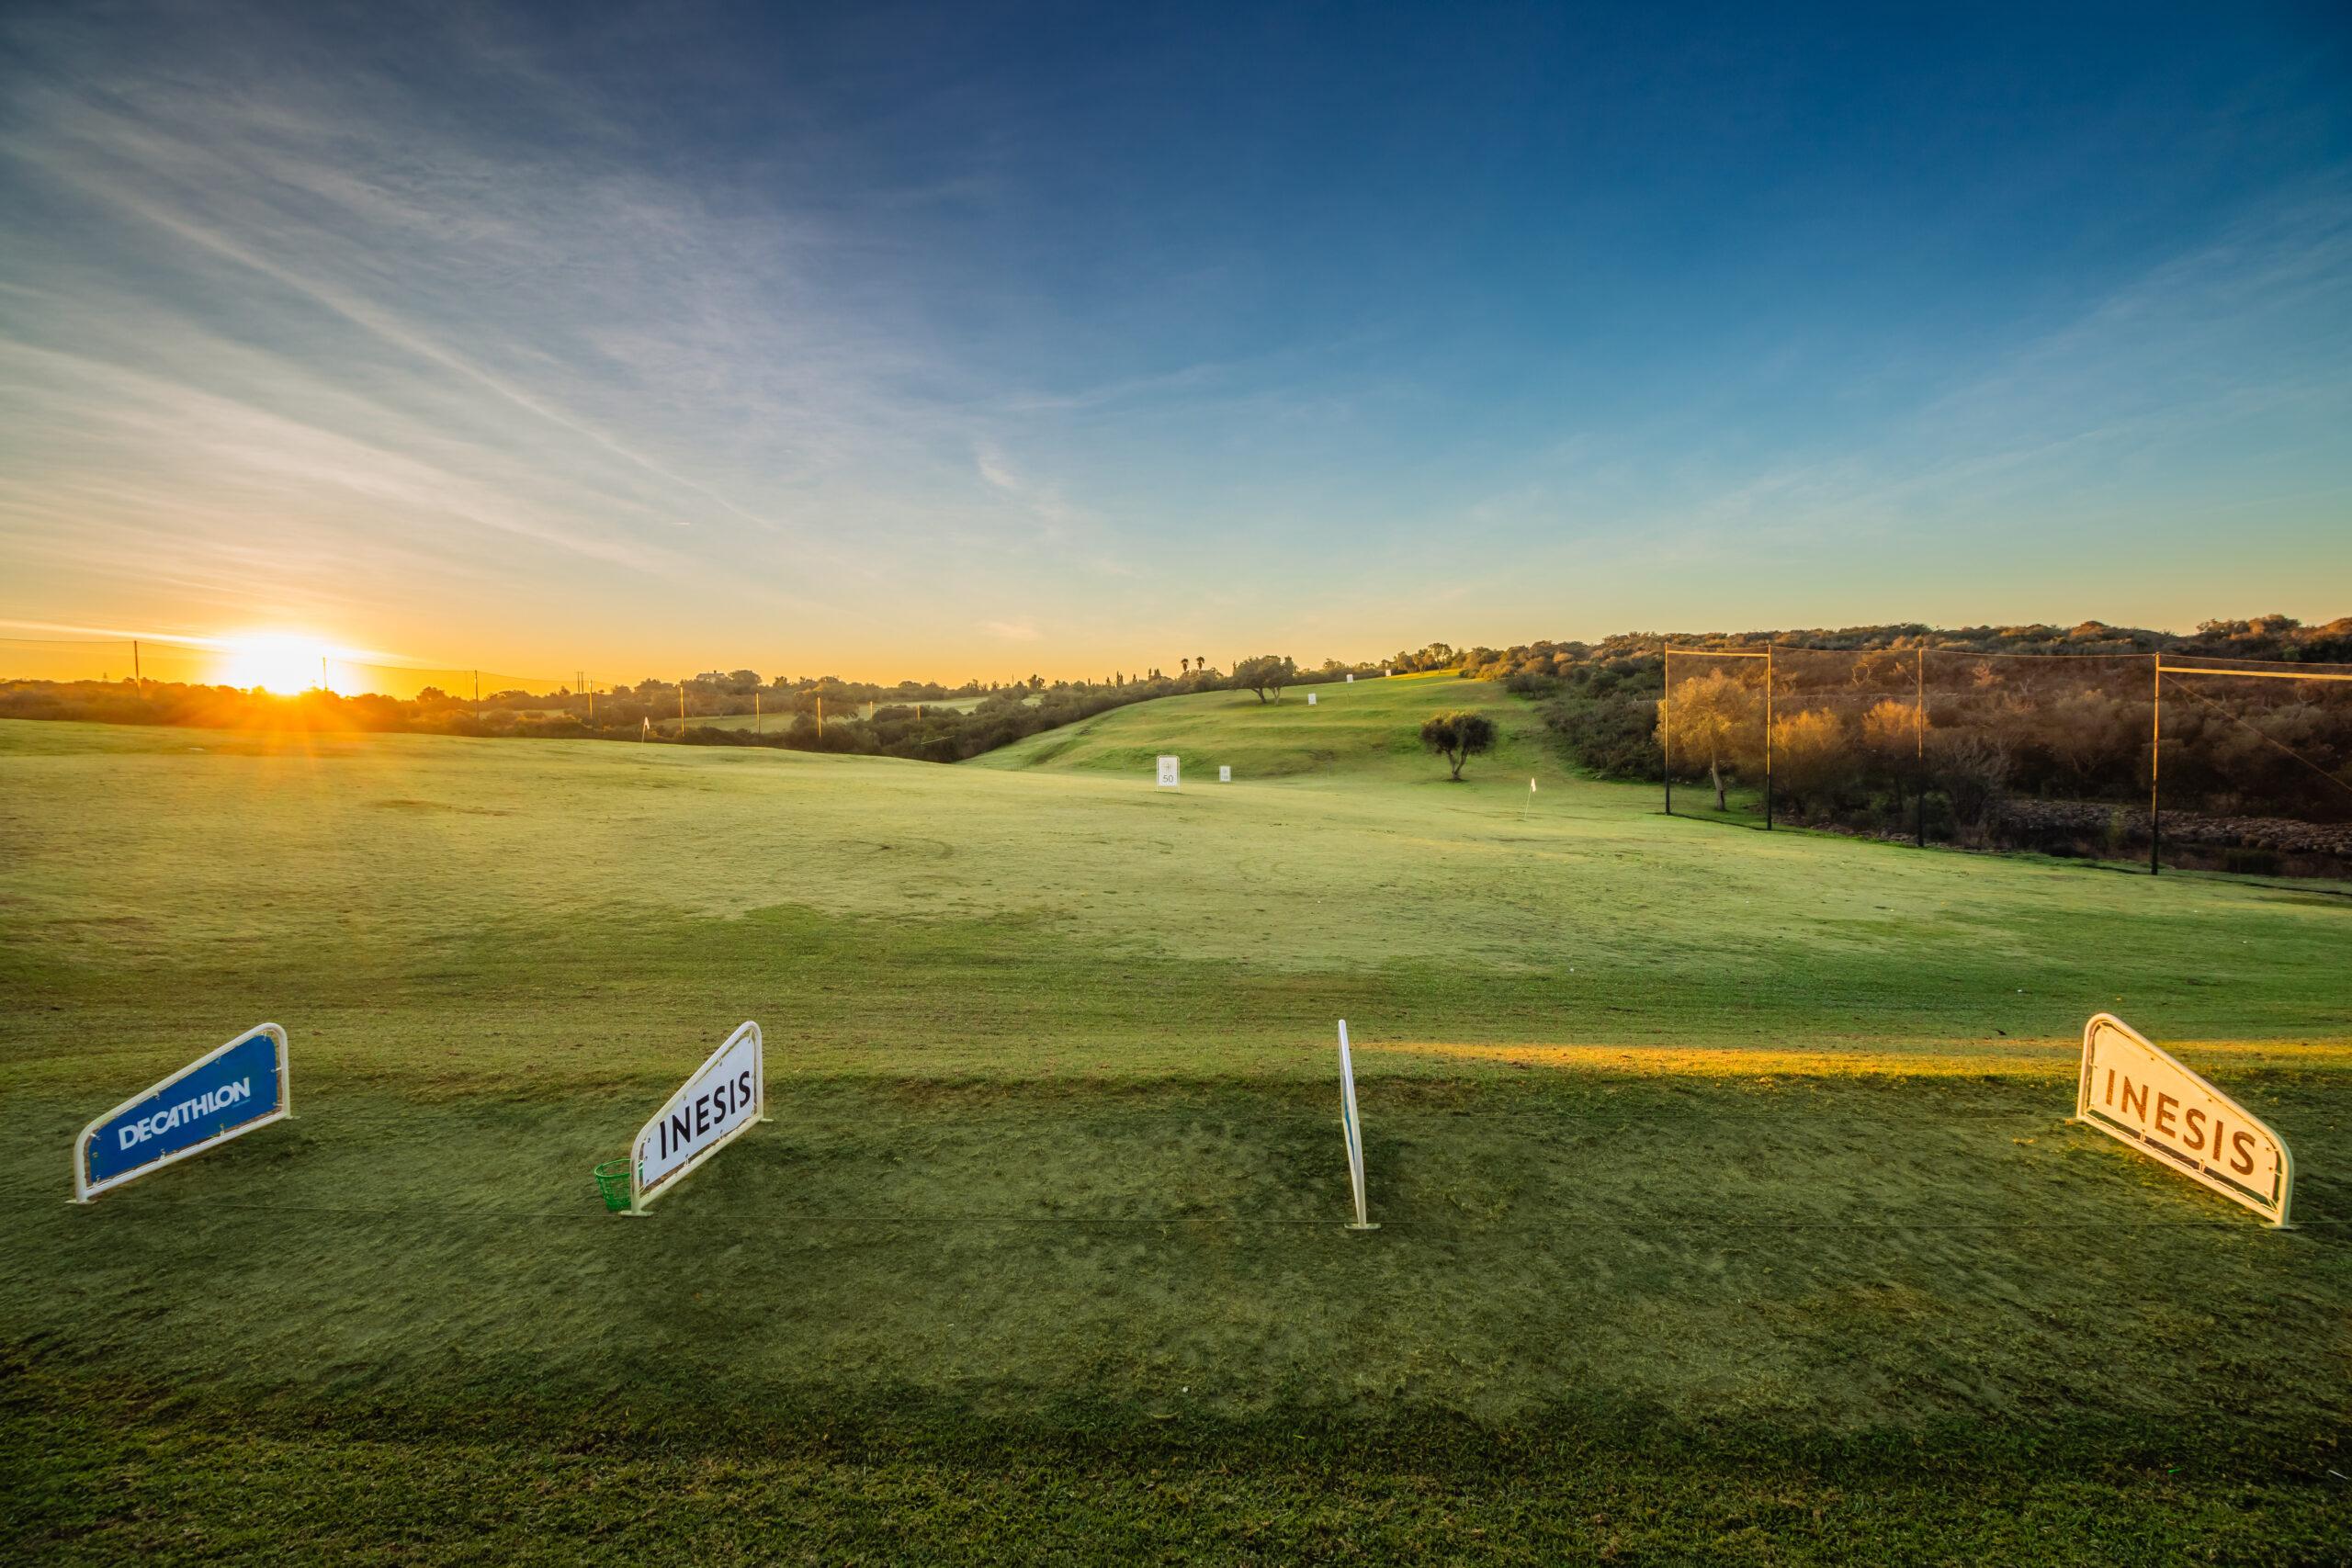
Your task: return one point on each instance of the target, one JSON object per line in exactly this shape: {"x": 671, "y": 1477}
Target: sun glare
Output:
{"x": 277, "y": 663}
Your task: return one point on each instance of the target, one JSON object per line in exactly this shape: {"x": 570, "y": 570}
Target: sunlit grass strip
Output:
{"x": 1922, "y": 1059}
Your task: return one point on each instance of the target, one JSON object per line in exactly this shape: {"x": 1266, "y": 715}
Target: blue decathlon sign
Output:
{"x": 242, "y": 1085}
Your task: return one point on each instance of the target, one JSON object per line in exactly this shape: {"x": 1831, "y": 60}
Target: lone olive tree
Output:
{"x": 1458, "y": 736}
{"x": 1266, "y": 673}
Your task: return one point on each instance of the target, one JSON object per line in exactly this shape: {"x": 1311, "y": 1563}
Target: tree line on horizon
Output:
{"x": 1600, "y": 699}
{"x": 922, "y": 720}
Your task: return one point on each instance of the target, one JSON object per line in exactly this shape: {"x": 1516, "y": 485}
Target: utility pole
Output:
{"x": 135, "y": 674}
{"x": 1768, "y": 737}
{"x": 1666, "y": 722}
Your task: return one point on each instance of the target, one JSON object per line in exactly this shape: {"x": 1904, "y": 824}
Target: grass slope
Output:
{"x": 1728, "y": 1207}
{"x": 775, "y": 722}
{"x": 1362, "y": 732}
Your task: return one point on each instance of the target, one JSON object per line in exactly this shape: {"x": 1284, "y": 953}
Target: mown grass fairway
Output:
{"x": 1729, "y": 1211}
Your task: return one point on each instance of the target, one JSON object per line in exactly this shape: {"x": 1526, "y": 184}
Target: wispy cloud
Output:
{"x": 304, "y": 301}
{"x": 1041, "y": 500}
{"x": 2241, "y": 336}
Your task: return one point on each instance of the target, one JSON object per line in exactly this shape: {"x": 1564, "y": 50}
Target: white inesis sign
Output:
{"x": 1352, "y": 1128}
{"x": 726, "y": 1096}
{"x": 1310, "y": 699}
{"x": 1169, "y": 772}
{"x": 2138, "y": 1094}
{"x": 1223, "y": 775}
{"x": 1351, "y": 677}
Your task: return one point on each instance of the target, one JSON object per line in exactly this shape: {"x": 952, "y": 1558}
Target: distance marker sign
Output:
{"x": 221, "y": 1095}
{"x": 2138, "y": 1094}
{"x": 724, "y": 1098}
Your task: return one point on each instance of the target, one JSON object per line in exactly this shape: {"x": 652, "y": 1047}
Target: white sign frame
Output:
{"x": 1351, "y": 1130}
{"x": 1171, "y": 771}
{"x": 86, "y": 1190}
{"x": 1225, "y": 772}
{"x": 2112, "y": 1045}
{"x": 1310, "y": 699}
{"x": 639, "y": 1194}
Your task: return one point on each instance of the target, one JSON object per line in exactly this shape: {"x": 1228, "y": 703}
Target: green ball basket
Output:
{"x": 612, "y": 1182}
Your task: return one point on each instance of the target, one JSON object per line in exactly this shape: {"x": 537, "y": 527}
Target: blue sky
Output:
{"x": 942, "y": 341}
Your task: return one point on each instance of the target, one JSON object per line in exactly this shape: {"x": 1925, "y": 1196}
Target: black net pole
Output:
{"x": 1666, "y": 728}
{"x": 1919, "y": 757}
{"x": 2156, "y": 765}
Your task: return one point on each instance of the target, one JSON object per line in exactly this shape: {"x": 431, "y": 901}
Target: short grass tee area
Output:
{"x": 1728, "y": 1207}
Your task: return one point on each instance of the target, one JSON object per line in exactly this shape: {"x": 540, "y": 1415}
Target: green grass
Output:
{"x": 1728, "y": 1208}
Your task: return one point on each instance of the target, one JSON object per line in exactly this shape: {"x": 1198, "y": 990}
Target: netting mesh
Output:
{"x": 2257, "y": 768}
{"x": 1713, "y": 719}
{"x": 2058, "y": 754}
{"x": 2047, "y": 752}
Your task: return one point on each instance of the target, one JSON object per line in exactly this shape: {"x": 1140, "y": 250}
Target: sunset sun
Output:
{"x": 275, "y": 661}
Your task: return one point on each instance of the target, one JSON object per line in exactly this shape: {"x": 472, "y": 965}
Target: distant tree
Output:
{"x": 1808, "y": 753}
{"x": 1458, "y": 736}
{"x": 1266, "y": 673}
{"x": 1712, "y": 715}
{"x": 1975, "y": 773}
{"x": 1186, "y": 664}
{"x": 2090, "y": 734}
{"x": 1894, "y": 733}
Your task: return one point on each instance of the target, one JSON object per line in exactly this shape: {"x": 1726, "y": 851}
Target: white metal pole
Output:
{"x": 1352, "y": 1128}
